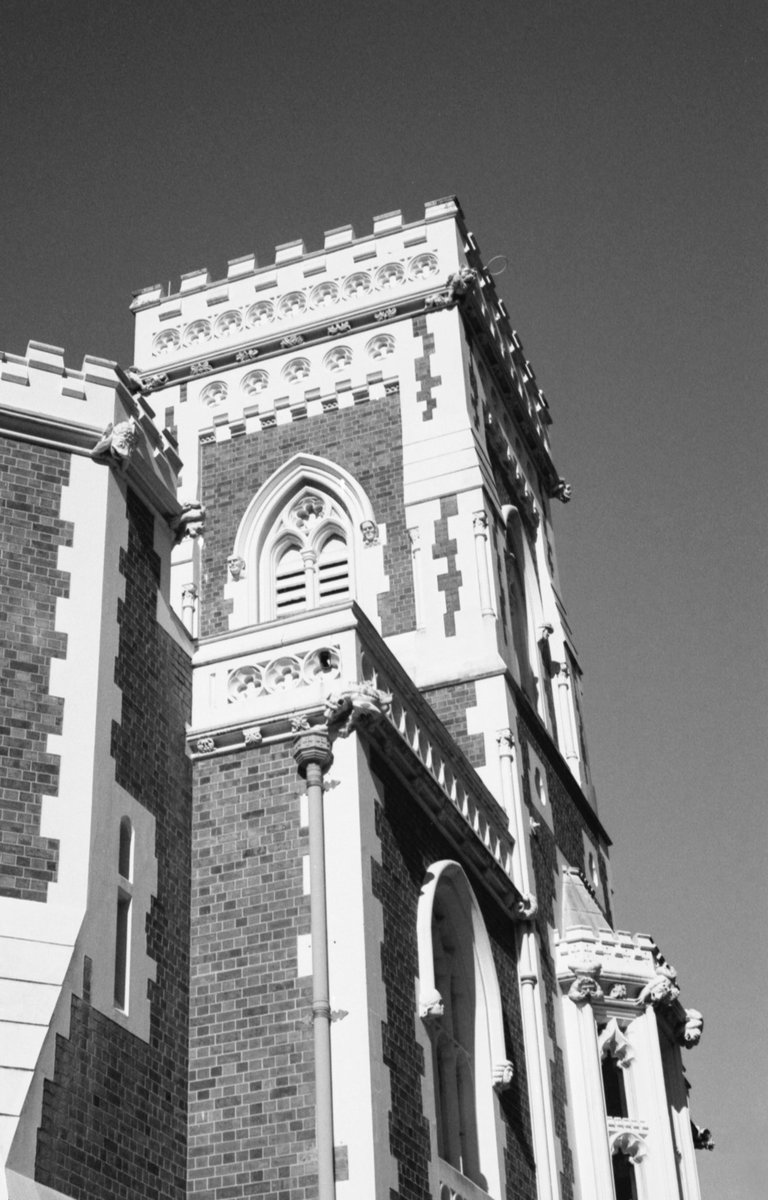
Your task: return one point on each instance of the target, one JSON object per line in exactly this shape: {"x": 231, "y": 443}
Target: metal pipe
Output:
{"x": 313, "y": 756}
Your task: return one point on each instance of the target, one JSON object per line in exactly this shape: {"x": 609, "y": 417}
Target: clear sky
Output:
{"x": 614, "y": 152}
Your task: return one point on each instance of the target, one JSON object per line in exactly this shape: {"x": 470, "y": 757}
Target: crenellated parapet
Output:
{"x": 262, "y": 330}
{"x": 99, "y": 410}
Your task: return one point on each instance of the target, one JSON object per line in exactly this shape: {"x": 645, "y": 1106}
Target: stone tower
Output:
{"x": 404, "y": 981}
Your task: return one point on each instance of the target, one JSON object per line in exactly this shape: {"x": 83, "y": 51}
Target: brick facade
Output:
{"x": 410, "y": 842}
{"x": 252, "y": 1121}
{"x": 366, "y": 440}
{"x": 114, "y": 1113}
{"x": 451, "y": 704}
{"x": 31, "y": 482}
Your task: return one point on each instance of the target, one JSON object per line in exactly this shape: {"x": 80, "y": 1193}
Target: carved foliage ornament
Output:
{"x": 630, "y": 1143}
{"x": 612, "y": 1042}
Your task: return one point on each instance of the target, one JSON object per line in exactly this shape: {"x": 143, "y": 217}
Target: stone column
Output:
{"x": 568, "y": 721}
{"x": 480, "y": 529}
{"x": 189, "y": 606}
{"x": 312, "y": 752}
{"x": 414, "y": 536}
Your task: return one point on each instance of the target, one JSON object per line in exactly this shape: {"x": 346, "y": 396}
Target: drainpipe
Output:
{"x": 312, "y": 752}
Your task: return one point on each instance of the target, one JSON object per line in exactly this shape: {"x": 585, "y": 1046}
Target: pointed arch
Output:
{"x": 310, "y": 509}
{"x": 461, "y": 1003}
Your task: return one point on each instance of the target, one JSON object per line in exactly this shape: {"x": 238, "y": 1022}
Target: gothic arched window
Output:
{"x": 301, "y": 544}
{"x": 308, "y": 551}
{"x": 460, "y": 1004}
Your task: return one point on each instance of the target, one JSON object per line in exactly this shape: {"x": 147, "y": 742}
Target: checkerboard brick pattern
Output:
{"x": 31, "y": 482}
{"x": 365, "y": 440}
{"x": 114, "y": 1119}
{"x": 251, "y": 1100}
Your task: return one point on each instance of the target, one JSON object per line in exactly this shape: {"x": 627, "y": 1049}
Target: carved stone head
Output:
{"x": 370, "y": 532}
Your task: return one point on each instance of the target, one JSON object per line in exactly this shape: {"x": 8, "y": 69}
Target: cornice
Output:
{"x": 409, "y": 737}
{"x": 300, "y": 338}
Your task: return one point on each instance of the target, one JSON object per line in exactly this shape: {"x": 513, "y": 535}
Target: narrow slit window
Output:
{"x": 122, "y": 942}
{"x": 123, "y": 914}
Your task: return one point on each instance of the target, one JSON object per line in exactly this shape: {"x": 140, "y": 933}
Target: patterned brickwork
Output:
{"x": 31, "y": 482}
{"x": 252, "y": 1120}
{"x": 451, "y": 704}
{"x": 423, "y": 369}
{"x": 114, "y": 1113}
{"x": 410, "y": 842}
{"x": 365, "y": 440}
{"x": 451, "y": 579}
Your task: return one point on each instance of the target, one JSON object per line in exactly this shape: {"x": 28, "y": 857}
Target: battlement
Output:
{"x": 45, "y": 401}
{"x": 351, "y": 285}
{"x": 290, "y": 252}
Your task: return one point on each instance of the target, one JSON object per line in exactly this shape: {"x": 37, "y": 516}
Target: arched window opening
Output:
{"x": 624, "y": 1182}
{"x": 615, "y": 1056}
{"x": 308, "y": 538}
{"x": 123, "y": 913}
{"x": 454, "y": 1040}
{"x": 613, "y": 1088}
{"x": 460, "y": 1004}
{"x": 312, "y": 567}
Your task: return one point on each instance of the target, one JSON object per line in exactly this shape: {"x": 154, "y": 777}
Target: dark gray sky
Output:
{"x": 615, "y": 152}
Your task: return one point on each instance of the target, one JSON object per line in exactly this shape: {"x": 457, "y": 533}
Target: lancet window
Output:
{"x": 123, "y": 913}
{"x": 310, "y": 553}
{"x": 461, "y": 1007}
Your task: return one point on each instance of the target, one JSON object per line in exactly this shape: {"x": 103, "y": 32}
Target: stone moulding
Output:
{"x": 479, "y": 811}
{"x": 627, "y": 1136}
{"x": 269, "y": 675}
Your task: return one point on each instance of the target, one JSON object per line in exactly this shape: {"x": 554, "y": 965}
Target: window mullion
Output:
{"x": 309, "y": 558}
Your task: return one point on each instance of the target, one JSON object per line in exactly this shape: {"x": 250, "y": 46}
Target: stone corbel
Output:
{"x": 662, "y": 990}
{"x": 355, "y": 705}
{"x": 116, "y": 444}
{"x": 456, "y": 288}
{"x": 690, "y": 1029}
{"x": 503, "y": 1074}
{"x": 702, "y": 1138}
{"x": 370, "y": 533}
{"x": 561, "y": 491}
{"x": 585, "y": 987}
{"x": 528, "y": 906}
{"x": 236, "y": 566}
{"x": 190, "y": 522}
{"x": 431, "y": 1008}
{"x": 613, "y": 1042}
{"x": 631, "y": 1143}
